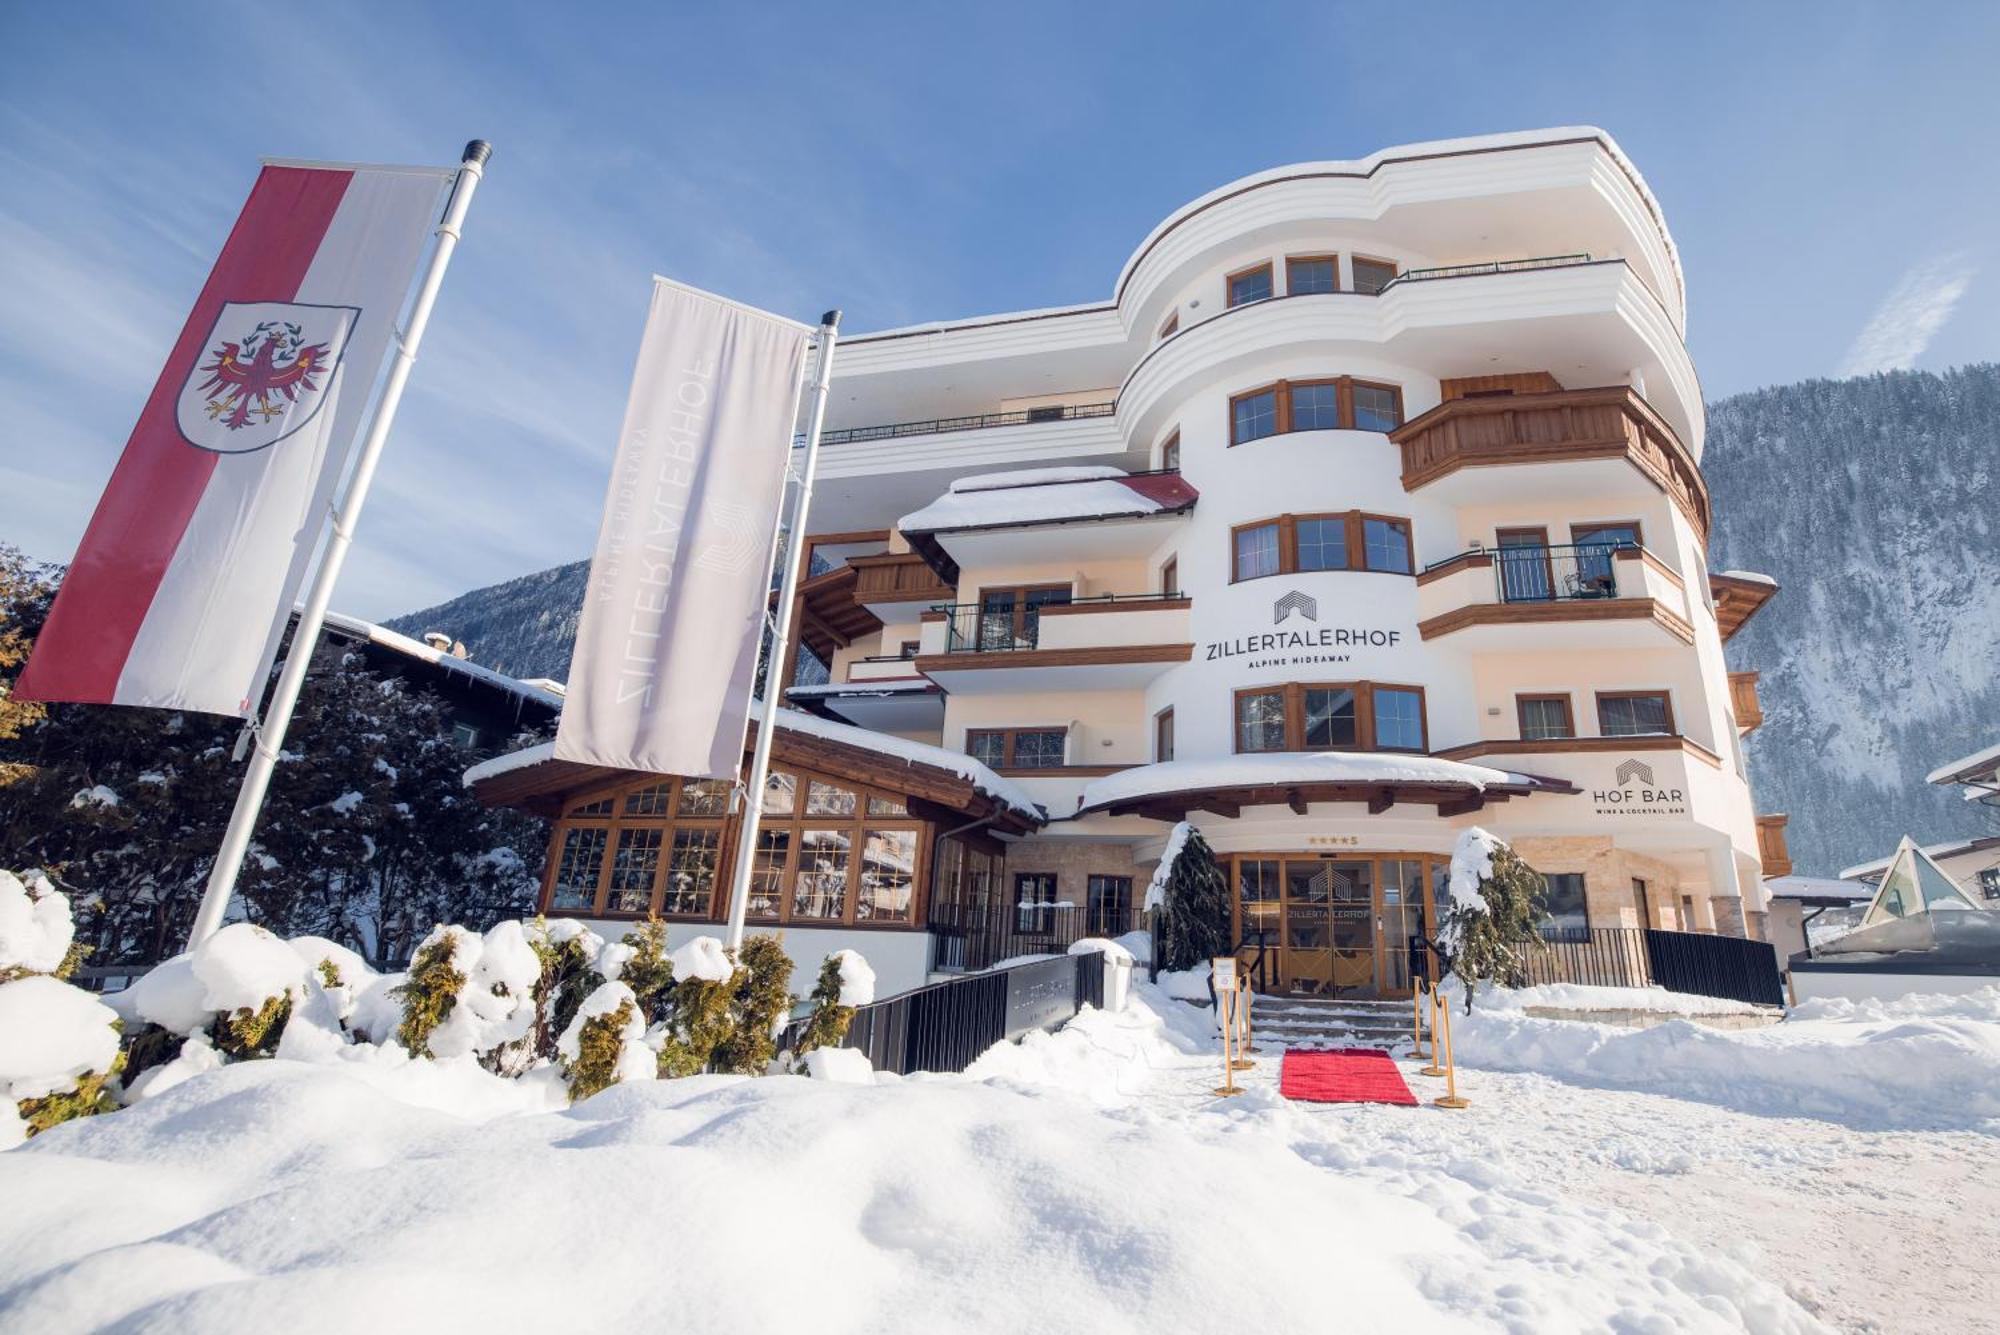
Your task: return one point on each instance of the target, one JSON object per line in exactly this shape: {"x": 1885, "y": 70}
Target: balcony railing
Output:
{"x": 1549, "y": 574}
{"x": 1491, "y": 266}
{"x": 976, "y": 628}
{"x": 977, "y": 422}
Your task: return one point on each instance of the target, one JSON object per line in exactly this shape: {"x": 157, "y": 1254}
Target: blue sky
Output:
{"x": 1828, "y": 171}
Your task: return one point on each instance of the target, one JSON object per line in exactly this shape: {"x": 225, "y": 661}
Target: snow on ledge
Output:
{"x": 972, "y": 771}
{"x": 1751, "y": 576}
{"x": 1035, "y": 496}
{"x": 1285, "y": 768}
{"x": 1979, "y": 762}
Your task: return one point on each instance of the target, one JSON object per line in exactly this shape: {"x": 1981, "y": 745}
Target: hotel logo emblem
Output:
{"x": 1634, "y": 769}
{"x": 1294, "y": 602}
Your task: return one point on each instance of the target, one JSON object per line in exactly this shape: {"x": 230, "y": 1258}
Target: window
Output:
{"x": 1633, "y": 713}
{"x": 1595, "y": 544}
{"x": 1253, "y": 416}
{"x": 1989, "y": 883}
{"x": 1311, "y": 273}
{"x": 1108, "y": 902}
{"x": 1565, "y": 914}
{"x": 1012, "y": 618}
{"x": 1017, "y": 748}
{"x": 1171, "y": 327}
{"x": 1331, "y": 716}
{"x": 1371, "y": 276}
{"x": 1035, "y": 901}
{"x": 1327, "y": 403}
{"x": 1250, "y": 285}
{"x": 1256, "y": 552}
{"x": 1544, "y": 717}
{"x": 656, "y": 846}
{"x": 1377, "y": 407}
{"x": 1170, "y": 451}
{"x": 1170, "y": 577}
{"x": 1163, "y": 735}
{"x": 464, "y": 736}
{"x": 1399, "y": 719}
{"x": 1292, "y": 544}
{"x": 1387, "y": 545}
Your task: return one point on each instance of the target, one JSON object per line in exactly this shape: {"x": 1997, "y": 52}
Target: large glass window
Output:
{"x": 888, "y": 875}
{"x": 1108, "y": 902}
{"x": 821, "y": 890}
{"x": 633, "y": 869}
{"x": 767, "y": 872}
{"x": 1315, "y": 406}
{"x": 1377, "y": 407}
{"x": 1544, "y": 717}
{"x": 704, "y": 797}
{"x": 987, "y": 746}
{"x": 1565, "y": 916}
{"x": 1034, "y": 901}
{"x": 1388, "y": 545}
{"x": 1253, "y": 416}
{"x": 577, "y": 867}
{"x": 1256, "y": 551}
{"x": 1306, "y": 274}
{"x": 1260, "y": 721}
{"x": 1633, "y": 713}
{"x": 1163, "y": 735}
{"x": 1322, "y": 544}
{"x": 1331, "y": 723}
{"x": 1371, "y": 276}
{"x": 1399, "y": 719}
{"x": 1018, "y": 748}
{"x": 1250, "y": 285}
{"x": 691, "y": 873}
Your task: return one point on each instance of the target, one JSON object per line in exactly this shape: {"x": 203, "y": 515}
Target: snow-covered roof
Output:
{"x": 1949, "y": 849}
{"x": 850, "y": 689}
{"x": 1290, "y": 769}
{"x": 1978, "y": 765}
{"x": 1001, "y": 790}
{"x": 1752, "y": 576}
{"x": 1817, "y": 887}
{"x": 540, "y": 690}
{"x": 1049, "y": 495}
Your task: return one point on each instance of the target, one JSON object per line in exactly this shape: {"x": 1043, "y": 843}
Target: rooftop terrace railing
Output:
{"x": 1069, "y": 412}
{"x": 1490, "y": 266}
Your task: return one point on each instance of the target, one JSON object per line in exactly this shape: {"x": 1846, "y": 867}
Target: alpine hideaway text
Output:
{"x": 664, "y": 496}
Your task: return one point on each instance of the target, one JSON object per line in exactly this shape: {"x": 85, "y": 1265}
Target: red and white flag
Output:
{"x": 201, "y": 540}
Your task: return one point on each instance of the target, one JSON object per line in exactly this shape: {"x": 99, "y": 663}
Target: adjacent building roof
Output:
{"x": 541, "y": 691}
{"x": 1979, "y": 767}
{"x": 1871, "y": 871}
{"x": 1818, "y": 891}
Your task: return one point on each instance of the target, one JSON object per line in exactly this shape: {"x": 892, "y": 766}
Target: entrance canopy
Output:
{"x": 1171, "y": 789}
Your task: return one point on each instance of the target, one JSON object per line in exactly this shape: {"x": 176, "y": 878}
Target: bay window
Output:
{"x": 1324, "y": 403}
{"x": 1292, "y": 544}
{"x": 1331, "y": 716}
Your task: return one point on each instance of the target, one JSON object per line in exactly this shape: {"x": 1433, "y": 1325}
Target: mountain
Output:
{"x": 1872, "y": 502}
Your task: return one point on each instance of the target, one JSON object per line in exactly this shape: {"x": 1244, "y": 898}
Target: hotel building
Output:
{"x": 1368, "y": 508}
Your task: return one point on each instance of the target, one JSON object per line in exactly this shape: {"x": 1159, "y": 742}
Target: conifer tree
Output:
{"x": 1492, "y": 937}
{"x": 1194, "y": 922}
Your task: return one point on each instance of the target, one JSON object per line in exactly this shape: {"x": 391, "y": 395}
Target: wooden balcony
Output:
{"x": 897, "y": 577}
{"x": 1612, "y": 422}
{"x": 1771, "y": 850}
{"x": 1743, "y": 697}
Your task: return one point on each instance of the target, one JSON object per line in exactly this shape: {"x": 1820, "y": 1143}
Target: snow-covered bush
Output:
{"x": 605, "y": 1043}
{"x": 845, "y": 983}
{"x": 58, "y": 1043}
{"x": 1491, "y": 921}
{"x": 762, "y": 1001}
{"x": 700, "y": 1008}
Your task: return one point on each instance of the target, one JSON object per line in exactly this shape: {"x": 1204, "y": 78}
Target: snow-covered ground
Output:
{"x": 1085, "y": 1180}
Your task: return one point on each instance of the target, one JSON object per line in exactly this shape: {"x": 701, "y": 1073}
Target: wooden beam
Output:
{"x": 1382, "y": 801}
{"x": 1463, "y": 806}
{"x": 1219, "y": 806}
{"x": 1296, "y": 801}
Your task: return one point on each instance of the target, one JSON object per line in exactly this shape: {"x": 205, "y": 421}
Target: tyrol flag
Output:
{"x": 673, "y": 616}
{"x": 201, "y": 541}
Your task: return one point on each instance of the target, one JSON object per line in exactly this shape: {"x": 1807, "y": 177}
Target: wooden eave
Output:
{"x": 1450, "y": 799}
{"x": 829, "y": 617}
{"x": 1737, "y": 600}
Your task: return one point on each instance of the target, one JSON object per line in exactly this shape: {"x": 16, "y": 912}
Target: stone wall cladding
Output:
{"x": 1074, "y": 863}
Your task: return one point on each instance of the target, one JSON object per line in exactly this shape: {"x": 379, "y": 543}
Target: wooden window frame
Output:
{"x": 1010, "y": 736}
{"x": 1170, "y": 576}
{"x": 1270, "y": 273}
{"x": 1665, "y": 697}
{"x": 1163, "y": 726}
{"x": 1171, "y": 446}
{"x": 1020, "y": 592}
{"x": 1355, "y": 533}
{"x": 1331, "y": 257}
{"x": 1294, "y": 693}
{"x": 1638, "y": 530}
{"x": 728, "y": 831}
{"x": 1281, "y": 392}
{"x": 1395, "y": 272}
{"x": 1522, "y": 699}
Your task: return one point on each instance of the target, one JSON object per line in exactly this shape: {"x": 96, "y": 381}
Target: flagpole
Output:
{"x": 270, "y": 735}
{"x": 781, "y": 635}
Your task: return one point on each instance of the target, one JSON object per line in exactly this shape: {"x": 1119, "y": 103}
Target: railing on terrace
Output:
{"x": 945, "y": 1026}
{"x": 977, "y": 936}
{"x": 977, "y": 628}
{"x": 1731, "y": 967}
{"x": 1069, "y": 412}
{"x": 1563, "y": 573}
{"x": 1490, "y": 266}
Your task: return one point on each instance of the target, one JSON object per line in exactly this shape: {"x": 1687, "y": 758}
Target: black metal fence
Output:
{"x": 1699, "y": 963}
{"x": 1563, "y": 573}
{"x": 945, "y": 1026}
{"x": 978, "y": 936}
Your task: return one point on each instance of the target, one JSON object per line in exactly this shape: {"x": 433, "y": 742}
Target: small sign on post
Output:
{"x": 1222, "y": 977}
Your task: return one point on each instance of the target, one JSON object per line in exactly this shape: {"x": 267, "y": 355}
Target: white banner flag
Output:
{"x": 666, "y": 651}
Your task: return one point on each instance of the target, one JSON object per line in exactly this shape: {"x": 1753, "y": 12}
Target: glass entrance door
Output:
{"x": 1335, "y": 926}
{"x": 1308, "y": 961}
{"x": 1353, "y": 915}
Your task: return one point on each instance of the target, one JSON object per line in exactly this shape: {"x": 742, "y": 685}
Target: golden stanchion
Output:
{"x": 1223, "y": 977}
{"x": 1437, "y": 1008}
{"x": 1417, "y": 1020}
{"x": 1451, "y": 1098}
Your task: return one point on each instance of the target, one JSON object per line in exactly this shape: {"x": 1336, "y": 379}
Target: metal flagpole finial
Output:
{"x": 831, "y": 320}
{"x": 477, "y": 152}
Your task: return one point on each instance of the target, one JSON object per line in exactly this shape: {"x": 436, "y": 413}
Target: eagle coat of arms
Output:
{"x": 262, "y": 374}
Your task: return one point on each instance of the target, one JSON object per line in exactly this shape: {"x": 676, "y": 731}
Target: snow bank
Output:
{"x": 702, "y": 958}
{"x": 1577, "y": 997}
{"x": 51, "y": 1033}
{"x": 1101, "y": 945}
{"x": 1934, "y": 1063}
{"x": 1139, "y": 945}
{"x": 1185, "y": 984}
{"x": 35, "y": 924}
{"x": 243, "y": 966}
{"x": 846, "y": 1066}
{"x": 1106, "y": 1057}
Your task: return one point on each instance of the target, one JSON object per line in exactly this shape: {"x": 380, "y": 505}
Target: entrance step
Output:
{"x": 1327, "y": 1022}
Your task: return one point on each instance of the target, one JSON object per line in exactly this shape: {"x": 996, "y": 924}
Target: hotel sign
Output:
{"x": 1636, "y": 792}
{"x": 1297, "y": 644}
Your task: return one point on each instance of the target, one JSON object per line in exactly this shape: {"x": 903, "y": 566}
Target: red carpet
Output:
{"x": 1343, "y": 1075}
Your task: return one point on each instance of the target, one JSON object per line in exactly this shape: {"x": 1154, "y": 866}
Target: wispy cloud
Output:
{"x": 1910, "y": 316}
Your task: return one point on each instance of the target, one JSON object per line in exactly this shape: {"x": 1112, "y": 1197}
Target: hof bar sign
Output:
{"x": 1636, "y": 792}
